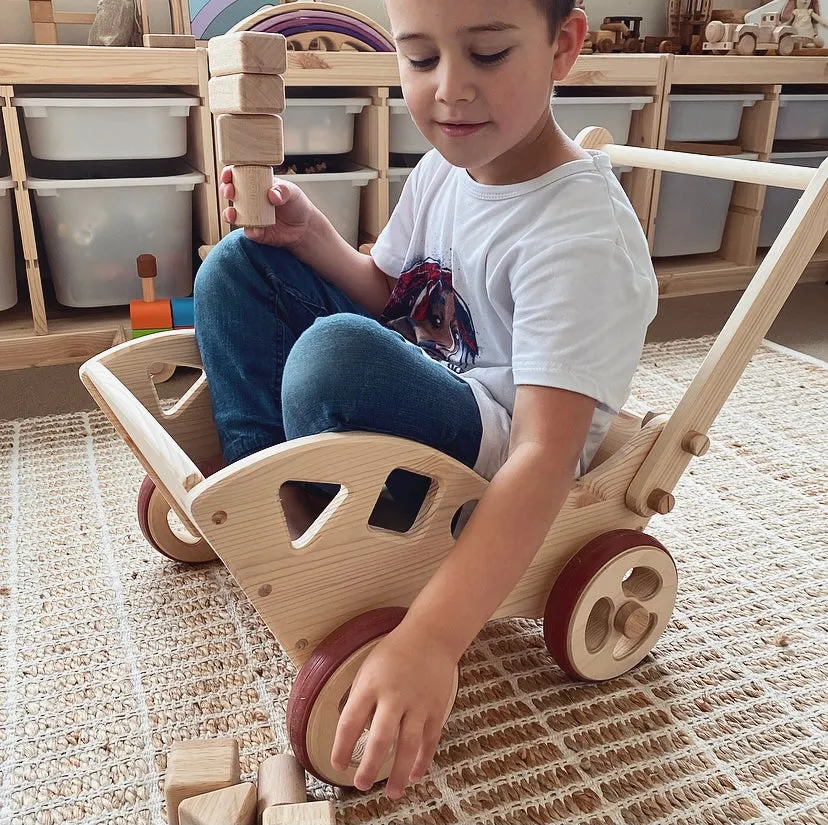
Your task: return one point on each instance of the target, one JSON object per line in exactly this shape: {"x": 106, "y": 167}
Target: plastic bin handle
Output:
{"x": 685, "y": 163}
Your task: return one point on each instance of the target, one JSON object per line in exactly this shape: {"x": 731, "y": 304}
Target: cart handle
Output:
{"x": 750, "y": 321}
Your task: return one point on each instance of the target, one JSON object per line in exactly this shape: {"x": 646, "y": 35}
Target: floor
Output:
{"x": 802, "y": 325}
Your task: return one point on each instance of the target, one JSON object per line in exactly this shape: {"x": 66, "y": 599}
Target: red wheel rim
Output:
{"x": 323, "y": 663}
{"x": 576, "y": 574}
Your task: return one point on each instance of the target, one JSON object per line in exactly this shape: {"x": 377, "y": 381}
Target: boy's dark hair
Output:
{"x": 556, "y": 11}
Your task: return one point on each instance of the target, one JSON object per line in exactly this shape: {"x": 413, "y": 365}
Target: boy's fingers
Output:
{"x": 408, "y": 747}
{"x": 352, "y": 722}
{"x": 230, "y": 214}
{"x": 226, "y": 174}
{"x": 228, "y": 191}
{"x": 381, "y": 738}
{"x": 428, "y": 746}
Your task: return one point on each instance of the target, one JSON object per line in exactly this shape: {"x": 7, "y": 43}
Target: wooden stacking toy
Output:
{"x": 150, "y": 314}
{"x": 247, "y": 93}
{"x": 203, "y": 787}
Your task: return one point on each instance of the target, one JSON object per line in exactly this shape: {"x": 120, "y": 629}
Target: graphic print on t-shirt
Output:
{"x": 425, "y": 309}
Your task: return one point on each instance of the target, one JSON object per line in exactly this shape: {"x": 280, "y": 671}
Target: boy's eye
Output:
{"x": 428, "y": 63}
{"x": 491, "y": 59}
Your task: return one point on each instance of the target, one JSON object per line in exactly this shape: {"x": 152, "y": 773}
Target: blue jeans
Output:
{"x": 287, "y": 355}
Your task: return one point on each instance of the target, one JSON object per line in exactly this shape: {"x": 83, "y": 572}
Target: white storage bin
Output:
{"x": 692, "y": 213}
{"x": 337, "y": 195}
{"x": 802, "y": 117}
{"x": 779, "y": 202}
{"x": 573, "y": 114}
{"x": 397, "y": 176}
{"x": 94, "y": 230}
{"x": 404, "y": 136}
{"x": 105, "y": 126}
{"x": 8, "y": 279}
{"x": 697, "y": 117}
{"x": 320, "y": 126}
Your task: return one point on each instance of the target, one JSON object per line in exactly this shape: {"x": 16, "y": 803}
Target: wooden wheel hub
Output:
{"x": 610, "y": 604}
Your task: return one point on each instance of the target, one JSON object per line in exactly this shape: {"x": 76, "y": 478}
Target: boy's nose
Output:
{"x": 454, "y": 85}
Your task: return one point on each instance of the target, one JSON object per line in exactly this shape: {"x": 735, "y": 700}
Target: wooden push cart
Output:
{"x": 604, "y": 588}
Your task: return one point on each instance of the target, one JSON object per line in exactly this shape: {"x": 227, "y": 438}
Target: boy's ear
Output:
{"x": 569, "y": 43}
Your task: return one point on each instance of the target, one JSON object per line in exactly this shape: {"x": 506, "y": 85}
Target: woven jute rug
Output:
{"x": 110, "y": 653}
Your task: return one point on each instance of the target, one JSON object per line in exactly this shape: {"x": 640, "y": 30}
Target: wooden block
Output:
{"x": 140, "y": 333}
{"x": 305, "y": 813}
{"x": 195, "y": 768}
{"x": 252, "y": 206}
{"x": 182, "y": 312}
{"x": 247, "y": 53}
{"x": 169, "y": 41}
{"x": 41, "y": 11}
{"x": 235, "y": 805}
{"x": 247, "y": 94}
{"x": 154, "y": 315}
{"x": 281, "y": 781}
{"x": 250, "y": 140}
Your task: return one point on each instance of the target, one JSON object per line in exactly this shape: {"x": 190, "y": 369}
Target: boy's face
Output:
{"x": 477, "y": 76}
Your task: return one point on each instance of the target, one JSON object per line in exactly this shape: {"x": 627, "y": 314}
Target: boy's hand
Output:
{"x": 405, "y": 684}
{"x": 294, "y": 211}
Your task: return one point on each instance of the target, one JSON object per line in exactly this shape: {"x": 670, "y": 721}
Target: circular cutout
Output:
{"x": 610, "y": 604}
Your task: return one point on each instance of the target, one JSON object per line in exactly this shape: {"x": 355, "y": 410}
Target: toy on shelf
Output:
{"x": 45, "y": 21}
{"x": 603, "y": 587}
{"x": 305, "y": 25}
{"x": 686, "y": 22}
{"x": 620, "y": 33}
{"x": 748, "y": 38}
{"x": 203, "y": 787}
{"x": 247, "y": 92}
{"x": 149, "y": 314}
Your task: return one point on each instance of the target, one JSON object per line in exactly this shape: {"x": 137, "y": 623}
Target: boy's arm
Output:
{"x": 403, "y": 687}
{"x": 509, "y": 525}
{"x": 326, "y": 251}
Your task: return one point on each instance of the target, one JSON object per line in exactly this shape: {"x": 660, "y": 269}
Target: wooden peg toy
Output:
{"x": 199, "y": 767}
{"x": 235, "y": 805}
{"x": 247, "y": 91}
{"x": 149, "y": 313}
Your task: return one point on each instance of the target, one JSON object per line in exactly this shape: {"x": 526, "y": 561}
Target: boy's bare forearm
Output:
{"x": 494, "y": 551}
{"x": 356, "y": 274}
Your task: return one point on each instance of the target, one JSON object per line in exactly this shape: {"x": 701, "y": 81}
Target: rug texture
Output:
{"x": 110, "y": 652}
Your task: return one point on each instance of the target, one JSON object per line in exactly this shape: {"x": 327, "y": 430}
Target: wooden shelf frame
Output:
{"x": 34, "y": 333}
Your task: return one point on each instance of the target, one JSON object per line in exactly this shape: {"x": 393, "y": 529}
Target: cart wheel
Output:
{"x": 610, "y": 604}
{"x": 786, "y": 45}
{"x": 746, "y": 44}
{"x": 321, "y": 689}
{"x": 177, "y": 543}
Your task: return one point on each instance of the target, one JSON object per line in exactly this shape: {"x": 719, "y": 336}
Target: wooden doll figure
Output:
{"x": 803, "y": 15}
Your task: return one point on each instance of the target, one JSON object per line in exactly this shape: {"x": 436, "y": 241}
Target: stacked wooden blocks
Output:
{"x": 247, "y": 93}
{"x": 203, "y": 788}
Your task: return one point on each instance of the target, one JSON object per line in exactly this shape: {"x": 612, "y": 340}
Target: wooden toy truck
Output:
{"x": 604, "y": 588}
{"x": 747, "y": 38}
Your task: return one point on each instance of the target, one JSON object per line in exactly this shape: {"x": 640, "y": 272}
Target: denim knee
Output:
{"x": 325, "y": 373}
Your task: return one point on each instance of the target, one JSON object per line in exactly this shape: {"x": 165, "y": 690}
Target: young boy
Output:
{"x": 500, "y": 318}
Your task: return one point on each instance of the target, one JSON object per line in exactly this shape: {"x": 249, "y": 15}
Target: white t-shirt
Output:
{"x": 547, "y": 282}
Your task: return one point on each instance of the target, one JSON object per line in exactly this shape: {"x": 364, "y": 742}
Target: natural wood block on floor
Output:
{"x": 169, "y": 41}
{"x": 281, "y": 781}
{"x": 306, "y": 813}
{"x": 198, "y": 767}
{"x": 247, "y": 94}
{"x": 235, "y": 805}
{"x": 249, "y": 140}
{"x": 247, "y": 53}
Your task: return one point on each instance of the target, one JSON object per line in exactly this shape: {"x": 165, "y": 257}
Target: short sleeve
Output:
{"x": 581, "y": 312}
{"x": 392, "y": 244}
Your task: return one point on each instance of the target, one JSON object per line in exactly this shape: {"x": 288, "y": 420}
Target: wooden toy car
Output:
{"x": 625, "y": 35}
{"x": 747, "y": 38}
{"x": 604, "y": 588}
